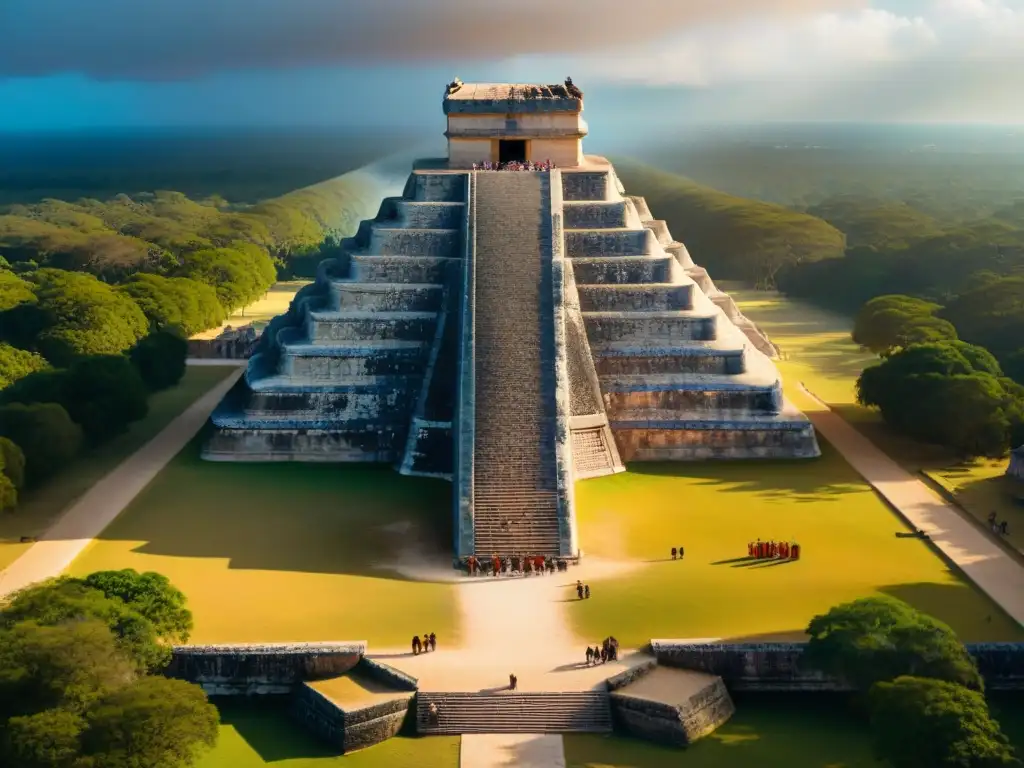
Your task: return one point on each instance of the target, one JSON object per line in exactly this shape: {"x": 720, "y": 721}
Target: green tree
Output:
{"x": 84, "y": 317}
{"x": 949, "y": 393}
{"x": 160, "y": 359}
{"x": 889, "y": 322}
{"x": 58, "y": 601}
{"x": 67, "y": 664}
{"x": 47, "y": 739}
{"x": 14, "y": 291}
{"x": 12, "y": 474}
{"x": 927, "y": 723}
{"x": 880, "y": 638}
{"x": 101, "y": 393}
{"x": 46, "y": 435}
{"x": 175, "y": 302}
{"x": 156, "y": 723}
{"x": 152, "y": 595}
{"x": 17, "y": 364}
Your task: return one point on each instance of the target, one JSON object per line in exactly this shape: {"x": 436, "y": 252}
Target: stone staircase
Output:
{"x": 679, "y": 379}
{"x": 345, "y": 375}
{"x": 510, "y": 712}
{"x": 514, "y": 486}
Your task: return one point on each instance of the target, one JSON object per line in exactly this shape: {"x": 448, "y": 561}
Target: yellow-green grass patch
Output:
{"x": 253, "y": 736}
{"x": 40, "y": 507}
{"x": 259, "y": 313}
{"x": 776, "y": 732}
{"x": 818, "y": 351}
{"x": 850, "y": 540}
{"x": 281, "y": 552}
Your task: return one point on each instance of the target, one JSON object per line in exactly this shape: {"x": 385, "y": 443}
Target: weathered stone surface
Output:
{"x": 348, "y": 729}
{"x": 776, "y": 666}
{"x": 669, "y": 706}
{"x": 224, "y": 670}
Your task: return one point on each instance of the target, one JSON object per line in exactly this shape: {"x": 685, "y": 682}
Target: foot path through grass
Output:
{"x": 94, "y": 511}
{"x": 985, "y": 563}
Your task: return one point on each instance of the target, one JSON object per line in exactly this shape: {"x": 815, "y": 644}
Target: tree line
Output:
{"x": 97, "y": 300}
{"x": 914, "y": 681}
{"x": 735, "y": 238}
{"x": 80, "y": 682}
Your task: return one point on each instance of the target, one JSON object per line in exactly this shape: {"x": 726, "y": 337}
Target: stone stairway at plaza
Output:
{"x": 343, "y": 376}
{"x": 510, "y": 712}
{"x": 515, "y": 500}
{"x": 682, "y": 374}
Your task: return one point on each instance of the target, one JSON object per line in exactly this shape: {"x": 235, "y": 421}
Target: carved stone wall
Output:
{"x": 348, "y": 729}
{"x": 228, "y": 670}
{"x": 776, "y": 666}
{"x": 673, "y": 724}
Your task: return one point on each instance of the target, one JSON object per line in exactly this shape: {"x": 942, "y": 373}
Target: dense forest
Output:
{"x": 926, "y": 255}
{"x": 97, "y": 298}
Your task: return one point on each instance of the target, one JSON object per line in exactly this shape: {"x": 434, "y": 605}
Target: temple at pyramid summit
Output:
{"x": 514, "y": 322}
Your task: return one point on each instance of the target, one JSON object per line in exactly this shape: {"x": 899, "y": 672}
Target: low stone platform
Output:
{"x": 670, "y": 706}
{"x": 351, "y": 712}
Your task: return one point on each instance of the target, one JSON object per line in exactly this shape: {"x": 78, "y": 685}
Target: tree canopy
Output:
{"x": 889, "y": 322}
{"x": 928, "y": 723}
{"x": 948, "y": 393}
{"x": 74, "y": 688}
{"x": 45, "y": 434}
{"x": 880, "y": 638}
{"x": 102, "y": 393}
{"x": 734, "y": 237}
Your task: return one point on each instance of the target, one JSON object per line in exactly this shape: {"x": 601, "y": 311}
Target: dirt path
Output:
{"x": 512, "y": 750}
{"x": 985, "y": 563}
{"x": 86, "y": 518}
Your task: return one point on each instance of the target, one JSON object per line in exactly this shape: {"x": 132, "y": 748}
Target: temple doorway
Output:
{"x": 511, "y": 151}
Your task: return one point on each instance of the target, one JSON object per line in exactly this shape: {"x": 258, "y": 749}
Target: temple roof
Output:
{"x": 512, "y": 97}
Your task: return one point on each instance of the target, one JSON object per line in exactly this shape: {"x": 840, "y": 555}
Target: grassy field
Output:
{"x": 40, "y": 507}
{"x": 290, "y": 551}
{"x": 252, "y": 737}
{"x": 848, "y": 536}
{"x": 850, "y": 541}
{"x": 771, "y": 733}
{"x": 275, "y": 303}
{"x": 818, "y": 351}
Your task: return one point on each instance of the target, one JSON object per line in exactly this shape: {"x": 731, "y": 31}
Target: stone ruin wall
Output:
{"x": 776, "y": 666}
{"x": 260, "y": 669}
{"x": 348, "y": 729}
{"x": 674, "y": 725}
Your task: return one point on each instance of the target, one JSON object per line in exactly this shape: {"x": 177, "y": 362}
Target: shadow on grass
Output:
{"x": 827, "y": 478}
{"x": 291, "y": 516}
{"x": 798, "y": 731}
{"x": 971, "y": 614}
{"x": 267, "y": 728}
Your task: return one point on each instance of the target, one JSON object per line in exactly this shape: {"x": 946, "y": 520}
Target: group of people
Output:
{"x": 999, "y": 527}
{"x": 428, "y": 643}
{"x": 514, "y": 565}
{"x": 676, "y": 552}
{"x": 773, "y": 550}
{"x": 514, "y": 165}
{"x": 609, "y": 651}
{"x": 582, "y": 590}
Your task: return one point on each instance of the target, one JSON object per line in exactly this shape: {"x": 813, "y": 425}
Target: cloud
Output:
{"x": 182, "y": 39}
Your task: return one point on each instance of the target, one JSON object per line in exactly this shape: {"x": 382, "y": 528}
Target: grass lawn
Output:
{"x": 818, "y": 351}
{"x": 41, "y": 506}
{"x": 252, "y": 736}
{"x": 289, "y": 551}
{"x": 261, "y": 312}
{"x": 848, "y": 537}
{"x": 769, "y": 733}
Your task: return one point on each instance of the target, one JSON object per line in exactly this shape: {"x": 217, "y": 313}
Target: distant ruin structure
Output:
{"x": 513, "y": 331}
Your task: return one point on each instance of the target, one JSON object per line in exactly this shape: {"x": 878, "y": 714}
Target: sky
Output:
{"x": 85, "y": 64}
